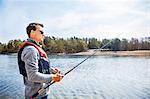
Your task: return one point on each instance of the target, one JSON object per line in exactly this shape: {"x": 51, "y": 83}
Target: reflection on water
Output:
{"x": 100, "y": 77}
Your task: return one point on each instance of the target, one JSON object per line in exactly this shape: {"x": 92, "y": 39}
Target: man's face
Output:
{"x": 39, "y": 36}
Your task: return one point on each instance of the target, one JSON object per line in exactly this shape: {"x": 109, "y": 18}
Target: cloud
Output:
{"x": 89, "y": 18}
{"x": 68, "y": 20}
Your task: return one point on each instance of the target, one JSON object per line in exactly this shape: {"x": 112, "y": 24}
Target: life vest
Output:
{"x": 43, "y": 63}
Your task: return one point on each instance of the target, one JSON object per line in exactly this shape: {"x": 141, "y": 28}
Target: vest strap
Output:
{"x": 40, "y": 50}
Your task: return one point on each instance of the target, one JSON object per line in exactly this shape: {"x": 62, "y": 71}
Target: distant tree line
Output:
{"x": 120, "y": 45}
{"x": 11, "y": 47}
{"x": 75, "y": 45}
{"x": 69, "y": 45}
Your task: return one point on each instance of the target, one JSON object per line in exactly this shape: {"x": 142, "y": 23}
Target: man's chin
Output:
{"x": 42, "y": 40}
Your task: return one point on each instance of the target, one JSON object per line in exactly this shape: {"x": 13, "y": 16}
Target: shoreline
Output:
{"x": 102, "y": 53}
{"x": 116, "y": 53}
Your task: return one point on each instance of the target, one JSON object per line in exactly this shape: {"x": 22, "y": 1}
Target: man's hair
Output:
{"x": 32, "y": 26}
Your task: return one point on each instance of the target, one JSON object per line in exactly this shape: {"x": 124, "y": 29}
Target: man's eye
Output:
{"x": 42, "y": 32}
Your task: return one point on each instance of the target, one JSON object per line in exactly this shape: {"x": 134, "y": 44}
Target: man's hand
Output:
{"x": 55, "y": 70}
{"x": 57, "y": 77}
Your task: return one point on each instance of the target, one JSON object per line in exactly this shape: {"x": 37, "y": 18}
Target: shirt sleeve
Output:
{"x": 30, "y": 56}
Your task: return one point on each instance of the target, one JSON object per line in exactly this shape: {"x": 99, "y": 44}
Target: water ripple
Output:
{"x": 98, "y": 78}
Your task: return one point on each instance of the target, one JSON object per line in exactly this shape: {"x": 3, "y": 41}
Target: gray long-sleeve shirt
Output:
{"x": 34, "y": 80}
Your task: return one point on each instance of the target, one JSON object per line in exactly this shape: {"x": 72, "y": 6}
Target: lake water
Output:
{"x": 100, "y": 77}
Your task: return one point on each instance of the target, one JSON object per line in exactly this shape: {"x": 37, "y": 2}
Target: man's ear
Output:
{"x": 31, "y": 33}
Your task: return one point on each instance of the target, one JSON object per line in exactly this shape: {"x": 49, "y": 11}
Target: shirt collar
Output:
{"x": 33, "y": 41}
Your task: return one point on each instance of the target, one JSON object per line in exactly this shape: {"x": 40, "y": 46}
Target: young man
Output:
{"x": 34, "y": 65}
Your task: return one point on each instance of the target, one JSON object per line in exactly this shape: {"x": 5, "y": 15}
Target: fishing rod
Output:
{"x": 43, "y": 89}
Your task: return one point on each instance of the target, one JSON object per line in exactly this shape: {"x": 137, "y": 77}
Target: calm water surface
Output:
{"x": 100, "y": 77}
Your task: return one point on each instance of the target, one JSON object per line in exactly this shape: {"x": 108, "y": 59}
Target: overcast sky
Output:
{"x": 81, "y": 18}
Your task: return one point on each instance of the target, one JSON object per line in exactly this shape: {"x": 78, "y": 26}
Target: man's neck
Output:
{"x": 33, "y": 40}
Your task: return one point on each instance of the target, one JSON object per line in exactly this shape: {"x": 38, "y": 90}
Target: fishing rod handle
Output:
{"x": 38, "y": 93}
{"x": 41, "y": 90}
